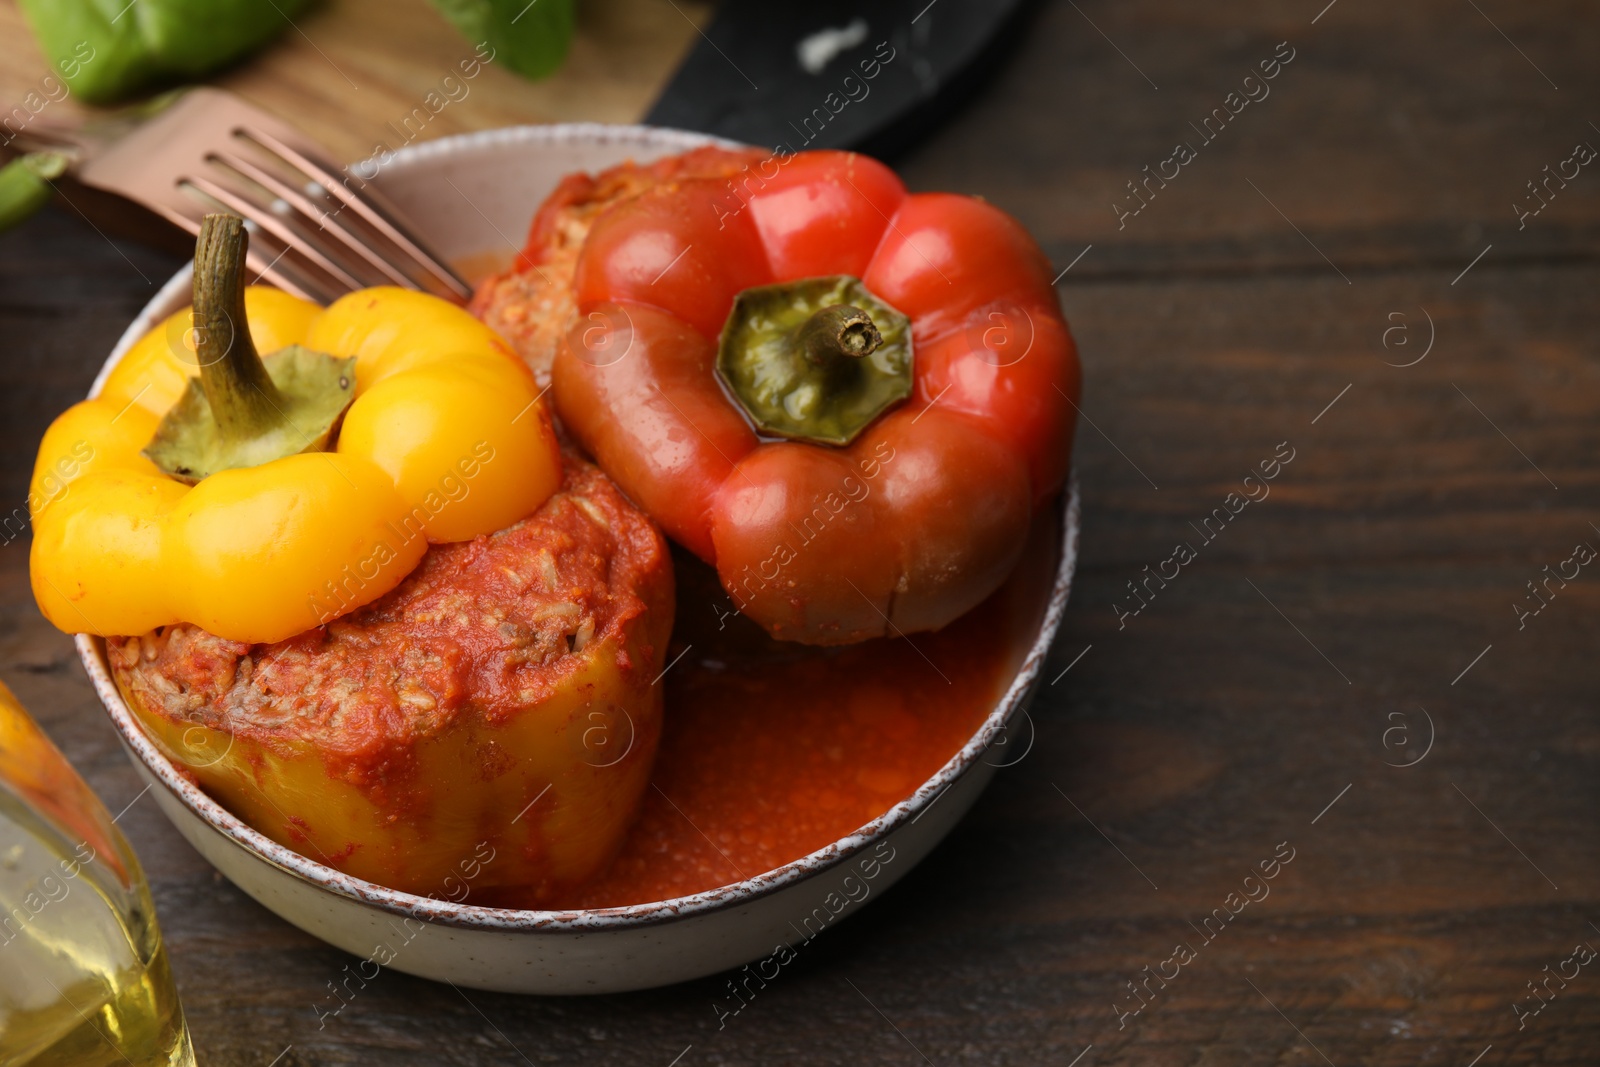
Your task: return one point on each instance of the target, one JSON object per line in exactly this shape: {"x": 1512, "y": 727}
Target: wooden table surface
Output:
{"x": 1342, "y": 669}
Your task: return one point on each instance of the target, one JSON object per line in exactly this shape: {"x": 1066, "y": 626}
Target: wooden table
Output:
{"x": 1279, "y": 689}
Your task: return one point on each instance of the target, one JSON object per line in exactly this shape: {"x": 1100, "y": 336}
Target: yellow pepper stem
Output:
{"x": 244, "y": 401}
{"x": 244, "y": 411}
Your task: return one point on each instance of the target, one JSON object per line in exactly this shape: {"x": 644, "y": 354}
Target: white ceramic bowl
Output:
{"x": 495, "y": 180}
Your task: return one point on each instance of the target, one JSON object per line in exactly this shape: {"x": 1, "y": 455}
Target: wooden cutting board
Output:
{"x": 350, "y": 72}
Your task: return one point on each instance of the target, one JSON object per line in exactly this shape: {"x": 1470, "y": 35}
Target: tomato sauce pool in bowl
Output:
{"x": 793, "y": 784}
{"x": 772, "y": 751}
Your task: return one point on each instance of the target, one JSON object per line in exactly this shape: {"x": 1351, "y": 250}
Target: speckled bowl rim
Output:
{"x": 92, "y": 651}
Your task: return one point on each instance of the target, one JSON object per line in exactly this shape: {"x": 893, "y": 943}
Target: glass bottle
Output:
{"x": 83, "y": 975}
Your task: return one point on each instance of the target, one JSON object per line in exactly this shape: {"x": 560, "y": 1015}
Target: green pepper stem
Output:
{"x": 792, "y": 356}
{"x": 842, "y": 330}
{"x": 244, "y": 401}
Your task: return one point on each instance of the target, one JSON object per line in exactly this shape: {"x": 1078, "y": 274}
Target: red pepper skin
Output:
{"x": 677, "y": 248}
{"x": 655, "y": 418}
{"x": 923, "y": 515}
{"x": 823, "y": 214}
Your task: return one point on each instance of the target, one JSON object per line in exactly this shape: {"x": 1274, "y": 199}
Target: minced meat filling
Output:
{"x": 492, "y": 624}
{"x": 532, "y": 305}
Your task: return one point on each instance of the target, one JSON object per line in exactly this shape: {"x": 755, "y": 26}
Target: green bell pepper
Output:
{"x": 25, "y": 185}
{"x": 529, "y": 36}
{"x": 136, "y": 44}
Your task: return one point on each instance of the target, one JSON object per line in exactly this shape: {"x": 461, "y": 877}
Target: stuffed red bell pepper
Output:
{"x": 848, "y": 398}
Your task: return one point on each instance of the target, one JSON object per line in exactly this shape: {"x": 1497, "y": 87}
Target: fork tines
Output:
{"x": 316, "y": 231}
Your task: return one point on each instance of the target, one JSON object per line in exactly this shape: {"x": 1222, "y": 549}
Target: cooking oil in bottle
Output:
{"x": 83, "y": 976}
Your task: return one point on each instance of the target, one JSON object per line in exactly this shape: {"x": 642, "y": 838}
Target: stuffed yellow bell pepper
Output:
{"x": 355, "y": 591}
{"x": 194, "y": 488}
{"x": 502, "y": 702}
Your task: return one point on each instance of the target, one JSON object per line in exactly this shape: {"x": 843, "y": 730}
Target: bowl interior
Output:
{"x": 472, "y": 197}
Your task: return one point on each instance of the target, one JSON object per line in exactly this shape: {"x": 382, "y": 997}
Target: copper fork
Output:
{"x": 317, "y": 230}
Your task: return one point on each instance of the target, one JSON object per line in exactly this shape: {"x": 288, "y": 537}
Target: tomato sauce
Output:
{"x": 773, "y": 750}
